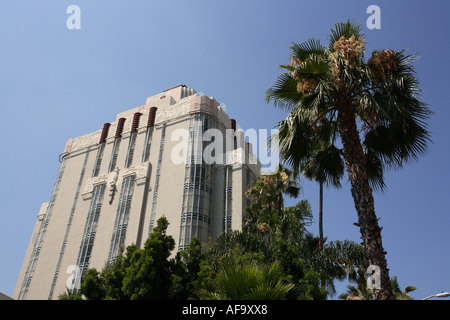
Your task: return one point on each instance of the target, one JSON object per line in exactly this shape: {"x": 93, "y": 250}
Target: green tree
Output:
{"x": 237, "y": 246}
{"x": 398, "y": 293}
{"x": 336, "y": 261}
{"x": 248, "y": 281}
{"x": 287, "y": 229}
{"x": 113, "y": 274}
{"x": 148, "y": 270}
{"x": 292, "y": 224}
{"x": 190, "y": 272}
{"x": 268, "y": 193}
{"x": 376, "y": 106}
{"x": 93, "y": 286}
{"x": 148, "y": 273}
{"x": 69, "y": 295}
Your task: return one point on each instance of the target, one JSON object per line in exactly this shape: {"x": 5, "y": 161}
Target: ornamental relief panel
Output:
{"x": 141, "y": 172}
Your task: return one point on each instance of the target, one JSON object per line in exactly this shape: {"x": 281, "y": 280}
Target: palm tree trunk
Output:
{"x": 320, "y": 214}
{"x": 321, "y": 224}
{"x": 363, "y": 198}
{"x": 280, "y": 202}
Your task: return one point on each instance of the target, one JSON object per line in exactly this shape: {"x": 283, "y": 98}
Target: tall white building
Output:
{"x": 178, "y": 155}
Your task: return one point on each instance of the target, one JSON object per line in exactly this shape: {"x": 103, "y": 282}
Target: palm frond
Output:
{"x": 294, "y": 133}
{"x": 303, "y": 50}
{"x": 344, "y": 29}
{"x": 326, "y": 166}
{"x": 283, "y": 93}
{"x": 398, "y": 143}
{"x": 374, "y": 167}
{"x": 315, "y": 64}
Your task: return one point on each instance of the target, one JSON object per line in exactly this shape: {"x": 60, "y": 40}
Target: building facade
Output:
{"x": 178, "y": 155}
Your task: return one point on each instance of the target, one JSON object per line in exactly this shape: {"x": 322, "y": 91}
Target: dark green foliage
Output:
{"x": 93, "y": 286}
{"x": 248, "y": 281}
{"x": 190, "y": 272}
{"x": 148, "y": 274}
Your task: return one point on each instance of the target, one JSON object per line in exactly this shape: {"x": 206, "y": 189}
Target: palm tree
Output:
{"x": 312, "y": 171}
{"x": 250, "y": 281}
{"x": 377, "y": 110}
{"x": 356, "y": 293}
{"x": 398, "y": 293}
{"x": 229, "y": 245}
{"x": 267, "y": 192}
{"x": 360, "y": 292}
{"x": 313, "y": 152}
{"x": 335, "y": 261}
{"x": 323, "y": 162}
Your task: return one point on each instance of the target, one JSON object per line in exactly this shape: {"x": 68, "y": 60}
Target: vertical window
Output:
{"x": 130, "y": 152}
{"x": 134, "y": 129}
{"x": 118, "y": 138}
{"x": 114, "y": 154}
{"x": 122, "y": 215}
{"x": 147, "y": 145}
{"x": 98, "y": 160}
{"x": 195, "y": 215}
{"x": 90, "y": 229}
{"x": 228, "y": 192}
{"x": 158, "y": 173}
{"x": 148, "y": 136}
{"x": 101, "y": 148}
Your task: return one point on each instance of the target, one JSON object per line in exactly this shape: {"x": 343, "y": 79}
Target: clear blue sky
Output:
{"x": 58, "y": 83}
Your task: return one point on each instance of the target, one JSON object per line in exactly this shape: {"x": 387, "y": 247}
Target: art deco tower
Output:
{"x": 115, "y": 183}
